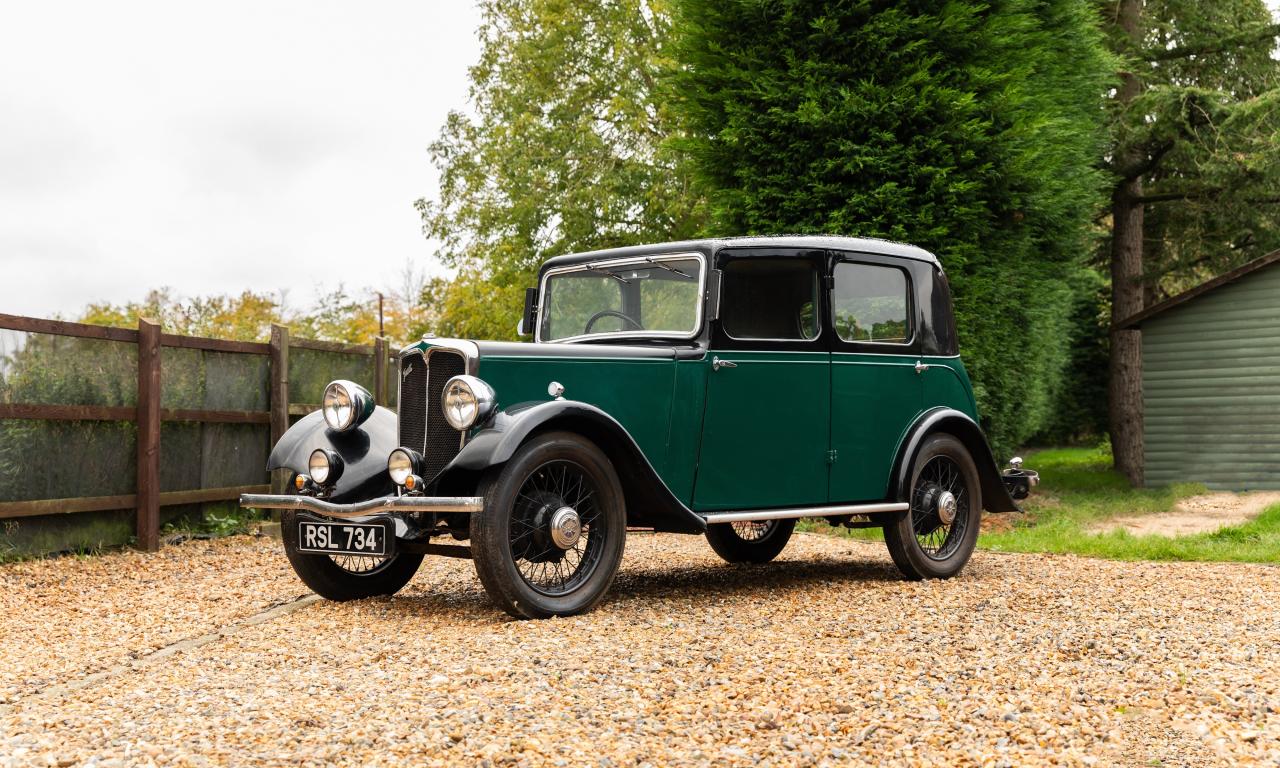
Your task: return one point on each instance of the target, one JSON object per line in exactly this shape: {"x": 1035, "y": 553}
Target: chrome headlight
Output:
{"x": 324, "y": 466}
{"x": 466, "y": 400}
{"x": 401, "y": 463}
{"x": 346, "y": 404}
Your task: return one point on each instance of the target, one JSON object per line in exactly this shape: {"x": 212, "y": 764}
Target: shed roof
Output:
{"x": 1135, "y": 320}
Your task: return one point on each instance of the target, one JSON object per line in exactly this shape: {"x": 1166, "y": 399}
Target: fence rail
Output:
{"x": 148, "y": 414}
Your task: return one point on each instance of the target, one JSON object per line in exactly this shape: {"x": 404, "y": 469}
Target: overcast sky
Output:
{"x": 215, "y": 147}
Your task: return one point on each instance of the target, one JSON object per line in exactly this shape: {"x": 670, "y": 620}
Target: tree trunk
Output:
{"x": 1125, "y": 387}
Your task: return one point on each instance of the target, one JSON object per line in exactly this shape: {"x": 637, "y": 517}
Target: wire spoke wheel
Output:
{"x": 754, "y": 530}
{"x": 937, "y": 503}
{"x": 750, "y": 541}
{"x": 550, "y": 537}
{"x": 361, "y": 565}
{"x": 555, "y": 537}
{"x": 347, "y": 577}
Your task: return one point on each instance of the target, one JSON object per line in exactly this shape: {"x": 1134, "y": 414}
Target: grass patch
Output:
{"x": 218, "y": 520}
{"x": 1078, "y": 489}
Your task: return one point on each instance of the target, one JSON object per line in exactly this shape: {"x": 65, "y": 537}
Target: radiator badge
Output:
{"x": 408, "y": 369}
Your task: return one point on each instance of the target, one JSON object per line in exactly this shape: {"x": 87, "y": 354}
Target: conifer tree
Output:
{"x": 972, "y": 129}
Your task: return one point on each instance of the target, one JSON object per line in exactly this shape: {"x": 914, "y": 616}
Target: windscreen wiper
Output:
{"x": 669, "y": 268}
{"x": 600, "y": 270}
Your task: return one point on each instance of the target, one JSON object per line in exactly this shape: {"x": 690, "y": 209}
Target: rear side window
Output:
{"x": 770, "y": 299}
{"x": 870, "y": 303}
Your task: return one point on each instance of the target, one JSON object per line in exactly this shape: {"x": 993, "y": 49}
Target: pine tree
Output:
{"x": 1195, "y": 159}
{"x": 969, "y": 129}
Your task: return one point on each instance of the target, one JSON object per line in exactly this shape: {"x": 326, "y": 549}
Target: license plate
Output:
{"x": 344, "y": 538}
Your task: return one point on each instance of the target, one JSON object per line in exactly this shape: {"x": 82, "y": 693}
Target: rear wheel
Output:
{"x": 346, "y": 577}
{"x": 551, "y": 535}
{"x": 756, "y": 541}
{"x": 937, "y": 536}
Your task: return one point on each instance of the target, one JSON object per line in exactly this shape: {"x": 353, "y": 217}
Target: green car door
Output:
{"x": 764, "y": 435}
{"x": 766, "y": 424}
{"x": 876, "y": 387}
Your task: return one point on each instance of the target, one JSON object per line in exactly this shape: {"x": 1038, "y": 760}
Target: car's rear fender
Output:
{"x": 995, "y": 496}
{"x": 650, "y": 503}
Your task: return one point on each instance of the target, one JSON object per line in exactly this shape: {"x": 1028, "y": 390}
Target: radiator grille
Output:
{"x": 422, "y": 426}
{"x": 413, "y": 401}
{"x": 443, "y": 441}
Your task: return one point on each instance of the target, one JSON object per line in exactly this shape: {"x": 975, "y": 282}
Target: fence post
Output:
{"x": 380, "y": 371}
{"x": 279, "y": 403}
{"x": 148, "y": 492}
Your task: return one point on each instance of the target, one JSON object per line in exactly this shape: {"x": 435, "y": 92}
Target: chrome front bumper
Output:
{"x": 363, "y": 508}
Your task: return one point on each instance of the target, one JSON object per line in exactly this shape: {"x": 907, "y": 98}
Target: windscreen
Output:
{"x": 655, "y": 296}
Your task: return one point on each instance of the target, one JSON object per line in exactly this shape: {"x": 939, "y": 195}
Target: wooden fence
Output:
{"x": 151, "y": 347}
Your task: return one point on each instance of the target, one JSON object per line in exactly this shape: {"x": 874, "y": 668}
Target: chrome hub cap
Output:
{"x": 566, "y": 527}
{"x": 947, "y": 507}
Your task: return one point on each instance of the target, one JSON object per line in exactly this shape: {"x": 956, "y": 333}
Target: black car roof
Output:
{"x": 817, "y": 242}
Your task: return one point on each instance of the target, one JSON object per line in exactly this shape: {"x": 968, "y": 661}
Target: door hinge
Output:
{"x": 832, "y": 455}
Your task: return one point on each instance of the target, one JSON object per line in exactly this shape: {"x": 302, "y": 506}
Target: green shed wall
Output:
{"x": 1211, "y": 387}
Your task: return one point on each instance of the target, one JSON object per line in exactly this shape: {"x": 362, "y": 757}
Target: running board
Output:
{"x": 796, "y": 512}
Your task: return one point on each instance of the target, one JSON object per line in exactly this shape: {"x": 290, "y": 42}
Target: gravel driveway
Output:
{"x": 209, "y": 653}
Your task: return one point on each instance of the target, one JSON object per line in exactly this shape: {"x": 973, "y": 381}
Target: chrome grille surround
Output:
{"x": 422, "y": 426}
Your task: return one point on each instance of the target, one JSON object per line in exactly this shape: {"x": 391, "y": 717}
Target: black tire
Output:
{"x": 522, "y": 567}
{"x": 358, "y": 579}
{"x": 921, "y": 543}
{"x": 755, "y": 542}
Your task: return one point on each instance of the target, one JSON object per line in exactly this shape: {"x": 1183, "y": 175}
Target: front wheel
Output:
{"x": 935, "y": 538}
{"x": 750, "y": 542}
{"x": 550, "y": 537}
{"x": 346, "y": 577}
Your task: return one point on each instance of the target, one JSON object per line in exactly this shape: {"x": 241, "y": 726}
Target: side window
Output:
{"x": 870, "y": 303}
{"x": 768, "y": 298}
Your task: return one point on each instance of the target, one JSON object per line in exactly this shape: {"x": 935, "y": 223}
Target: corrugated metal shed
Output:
{"x": 1211, "y": 382}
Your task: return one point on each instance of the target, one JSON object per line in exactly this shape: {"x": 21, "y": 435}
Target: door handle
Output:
{"x": 921, "y": 367}
{"x": 717, "y": 364}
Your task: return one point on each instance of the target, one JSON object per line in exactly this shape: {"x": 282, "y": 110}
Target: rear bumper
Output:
{"x": 1020, "y": 482}
{"x": 363, "y": 508}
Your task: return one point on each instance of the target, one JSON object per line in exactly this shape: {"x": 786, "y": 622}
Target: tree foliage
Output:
{"x": 247, "y": 317}
{"x": 970, "y": 129}
{"x": 562, "y": 150}
{"x": 336, "y": 315}
{"x": 1204, "y": 135}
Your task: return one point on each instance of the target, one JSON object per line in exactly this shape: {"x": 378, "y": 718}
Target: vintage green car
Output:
{"x": 717, "y": 387}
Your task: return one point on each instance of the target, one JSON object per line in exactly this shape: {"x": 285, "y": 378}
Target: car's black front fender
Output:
{"x": 363, "y": 450}
{"x": 650, "y": 503}
{"x": 995, "y": 496}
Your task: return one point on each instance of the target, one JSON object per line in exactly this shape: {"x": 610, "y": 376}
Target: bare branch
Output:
{"x": 1219, "y": 45}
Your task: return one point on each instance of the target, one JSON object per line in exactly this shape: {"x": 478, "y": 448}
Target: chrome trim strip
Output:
{"x": 678, "y": 256}
{"x": 362, "y": 508}
{"x": 798, "y": 512}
